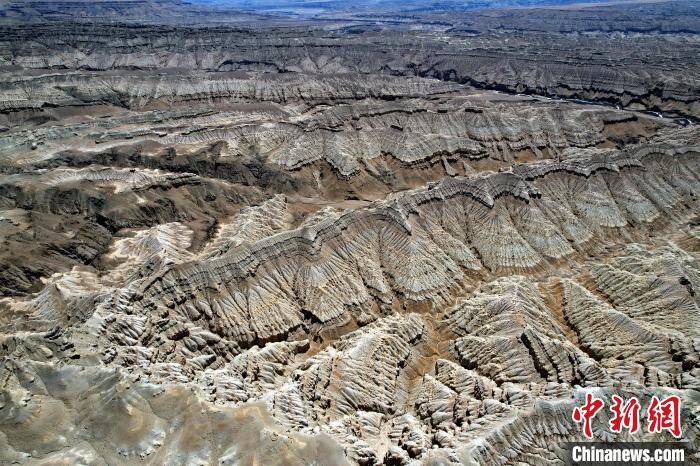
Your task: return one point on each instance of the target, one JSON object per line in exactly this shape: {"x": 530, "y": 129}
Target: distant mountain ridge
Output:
{"x": 233, "y": 11}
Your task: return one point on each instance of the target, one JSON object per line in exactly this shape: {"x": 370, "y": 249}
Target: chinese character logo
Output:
{"x": 661, "y": 415}
{"x": 587, "y": 412}
{"x": 665, "y": 415}
{"x": 626, "y": 415}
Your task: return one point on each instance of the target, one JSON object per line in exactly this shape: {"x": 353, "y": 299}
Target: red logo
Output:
{"x": 665, "y": 415}
{"x": 587, "y": 412}
{"x": 626, "y": 415}
{"x": 661, "y": 415}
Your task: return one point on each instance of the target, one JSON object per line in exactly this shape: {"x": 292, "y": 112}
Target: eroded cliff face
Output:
{"x": 635, "y": 71}
{"x": 325, "y": 255}
{"x": 127, "y": 168}
{"x": 639, "y": 56}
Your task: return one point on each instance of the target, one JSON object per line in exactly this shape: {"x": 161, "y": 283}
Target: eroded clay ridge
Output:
{"x": 350, "y": 137}
{"x": 423, "y": 244}
{"x": 603, "y": 64}
{"x": 132, "y": 89}
{"x": 436, "y": 325}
